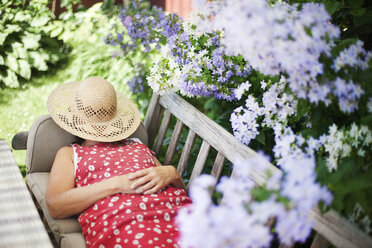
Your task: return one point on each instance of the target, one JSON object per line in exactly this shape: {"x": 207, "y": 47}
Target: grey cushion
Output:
{"x": 44, "y": 140}
{"x": 72, "y": 240}
{"x": 37, "y": 182}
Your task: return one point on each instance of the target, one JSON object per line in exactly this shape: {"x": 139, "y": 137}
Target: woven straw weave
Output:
{"x": 92, "y": 109}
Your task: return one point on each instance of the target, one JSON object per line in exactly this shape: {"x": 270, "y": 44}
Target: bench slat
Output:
{"x": 162, "y": 131}
{"x": 219, "y": 138}
{"x": 339, "y": 231}
{"x": 218, "y": 165}
{"x": 319, "y": 242}
{"x": 152, "y": 119}
{"x": 173, "y": 143}
{"x": 200, "y": 161}
{"x": 186, "y": 152}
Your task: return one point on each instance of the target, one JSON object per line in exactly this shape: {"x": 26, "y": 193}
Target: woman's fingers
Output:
{"x": 138, "y": 174}
{"x": 151, "y": 186}
{"x": 139, "y": 182}
{"x": 149, "y": 180}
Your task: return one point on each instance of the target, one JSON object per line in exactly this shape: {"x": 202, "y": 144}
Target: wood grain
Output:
{"x": 319, "y": 242}
{"x": 174, "y": 142}
{"x": 152, "y": 119}
{"x": 186, "y": 152}
{"x": 162, "y": 131}
{"x": 218, "y": 165}
{"x": 340, "y": 232}
{"x": 200, "y": 161}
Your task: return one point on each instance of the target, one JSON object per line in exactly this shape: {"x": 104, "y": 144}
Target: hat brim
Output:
{"x": 61, "y": 108}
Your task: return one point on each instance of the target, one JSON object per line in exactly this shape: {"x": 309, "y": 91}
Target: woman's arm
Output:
{"x": 151, "y": 180}
{"x": 64, "y": 200}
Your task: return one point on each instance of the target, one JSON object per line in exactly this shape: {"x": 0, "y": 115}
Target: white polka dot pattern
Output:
{"x": 125, "y": 220}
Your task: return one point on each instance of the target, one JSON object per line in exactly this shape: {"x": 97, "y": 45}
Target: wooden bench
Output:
{"x": 329, "y": 228}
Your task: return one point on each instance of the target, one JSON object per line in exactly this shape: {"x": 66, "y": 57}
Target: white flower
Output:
{"x": 242, "y": 88}
{"x": 369, "y": 105}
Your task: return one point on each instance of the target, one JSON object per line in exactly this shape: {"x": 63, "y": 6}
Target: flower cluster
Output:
{"x": 348, "y": 94}
{"x": 279, "y": 38}
{"x": 199, "y": 65}
{"x": 244, "y": 121}
{"x": 276, "y": 107}
{"x": 136, "y": 84}
{"x": 205, "y": 224}
{"x": 145, "y": 27}
{"x": 339, "y": 143}
{"x": 355, "y": 56}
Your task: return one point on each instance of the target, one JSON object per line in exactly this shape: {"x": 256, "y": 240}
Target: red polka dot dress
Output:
{"x": 125, "y": 220}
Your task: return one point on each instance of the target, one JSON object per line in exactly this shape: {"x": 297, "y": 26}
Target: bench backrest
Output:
{"x": 329, "y": 227}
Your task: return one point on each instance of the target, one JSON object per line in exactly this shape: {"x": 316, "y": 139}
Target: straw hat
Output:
{"x": 92, "y": 109}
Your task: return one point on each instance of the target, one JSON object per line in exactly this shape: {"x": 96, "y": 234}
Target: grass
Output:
{"x": 21, "y": 106}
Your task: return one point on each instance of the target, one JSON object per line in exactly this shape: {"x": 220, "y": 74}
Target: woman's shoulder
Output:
{"x": 65, "y": 151}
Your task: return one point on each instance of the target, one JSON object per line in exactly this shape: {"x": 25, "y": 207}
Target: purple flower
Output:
{"x": 136, "y": 84}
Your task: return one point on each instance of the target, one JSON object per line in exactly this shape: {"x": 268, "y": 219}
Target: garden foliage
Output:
{"x": 25, "y": 45}
{"x": 299, "y": 86}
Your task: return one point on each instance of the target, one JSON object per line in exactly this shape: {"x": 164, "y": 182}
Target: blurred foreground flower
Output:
{"x": 243, "y": 217}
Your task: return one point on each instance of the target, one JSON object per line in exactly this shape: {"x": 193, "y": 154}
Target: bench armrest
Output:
{"x": 19, "y": 141}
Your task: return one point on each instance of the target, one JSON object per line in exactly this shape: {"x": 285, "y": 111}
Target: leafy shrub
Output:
{"x": 85, "y": 31}
{"x": 24, "y": 44}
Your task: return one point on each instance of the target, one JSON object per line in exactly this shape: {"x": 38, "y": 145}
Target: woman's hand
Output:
{"x": 122, "y": 184}
{"x": 151, "y": 180}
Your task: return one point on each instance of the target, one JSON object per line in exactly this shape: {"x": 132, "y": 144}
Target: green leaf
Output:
{"x": 31, "y": 41}
{"x": 2, "y": 37}
{"x": 358, "y": 12}
{"x": 11, "y": 28}
{"x": 367, "y": 120}
{"x": 24, "y": 69}
{"x": 331, "y": 7}
{"x": 2, "y": 61}
{"x": 261, "y": 138}
{"x": 20, "y": 52}
{"x": 11, "y": 62}
{"x": 38, "y": 61}
{"x": 302, "y": 108}
{"x": 355, "y": 184}
{"x": 55, "y": 32}
{"x": 261, "y": 194}
{"x": 11, "y": 79}
{"x": 21, "y": 17}
{"x": 107, "y": 4}
{"x": 40, "y": 21}
{"x": 366, "y": 18}
{"x": 338, "y": 201}
{"x": 355, "y": 3}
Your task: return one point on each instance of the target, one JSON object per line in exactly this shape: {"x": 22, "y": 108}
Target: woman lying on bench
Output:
{"x": 123, "y": 196}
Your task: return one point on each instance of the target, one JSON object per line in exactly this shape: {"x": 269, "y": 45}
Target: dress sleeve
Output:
{"x": 74, "y": 147}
